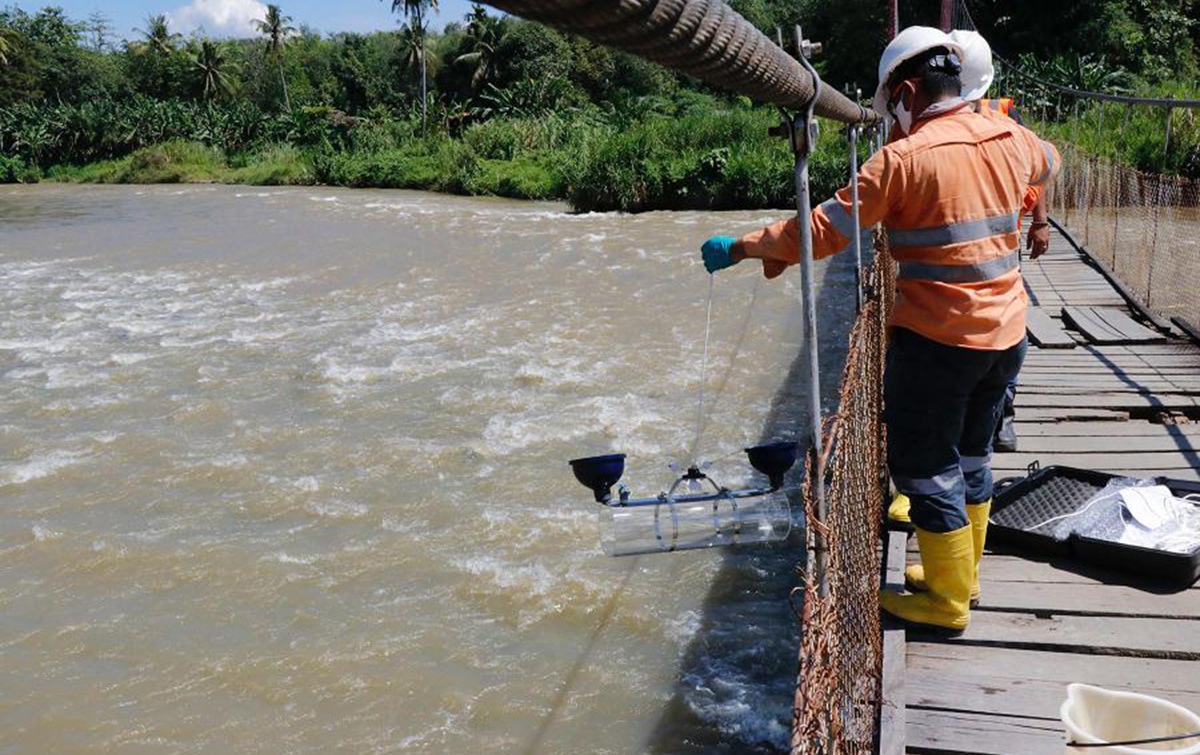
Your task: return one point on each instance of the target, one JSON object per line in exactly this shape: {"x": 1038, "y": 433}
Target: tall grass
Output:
{"x": 706, "y": 155}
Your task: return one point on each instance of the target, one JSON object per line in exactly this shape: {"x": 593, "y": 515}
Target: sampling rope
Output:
{"x": 702, "y": 38}
{"x": 703, "y": 372}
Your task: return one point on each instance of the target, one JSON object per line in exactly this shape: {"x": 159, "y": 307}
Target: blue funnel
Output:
{"x": 774, "y": 460}
{"x": 599, "y": 473}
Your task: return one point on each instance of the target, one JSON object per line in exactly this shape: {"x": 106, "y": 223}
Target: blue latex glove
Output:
{"x": 718, "y": 253}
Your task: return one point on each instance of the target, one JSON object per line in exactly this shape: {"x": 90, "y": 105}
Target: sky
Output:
{"x": 234, "y": 18}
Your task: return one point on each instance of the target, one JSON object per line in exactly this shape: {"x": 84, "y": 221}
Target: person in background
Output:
{"x": 948, "y": 193}
{"x": 977, "y": 76}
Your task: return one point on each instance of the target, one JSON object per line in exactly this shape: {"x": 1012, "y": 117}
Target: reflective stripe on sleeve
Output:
{"x": 838, "y": 217}
{"x": 865, "y": 237}
{"x": 1049, "y": 165}
{"x": 954, "y": 233}
{"x": 974, "y": 463}
{"x": 983, "y": 271}
{"x": 942, "y": 483}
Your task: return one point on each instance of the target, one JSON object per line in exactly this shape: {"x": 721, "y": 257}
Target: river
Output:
{"x": 284, "y": 471}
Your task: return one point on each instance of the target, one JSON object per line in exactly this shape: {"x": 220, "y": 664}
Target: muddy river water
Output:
{"x": 284, "y": 471}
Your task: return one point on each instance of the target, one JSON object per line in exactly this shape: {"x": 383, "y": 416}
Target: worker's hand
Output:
{"x": 1038, "y": 240}
{"x": 718, "y": 253}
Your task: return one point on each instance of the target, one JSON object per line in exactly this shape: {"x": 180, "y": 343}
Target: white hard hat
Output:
{"x": 977, "y": 71}
{"x": 907, "y": 45}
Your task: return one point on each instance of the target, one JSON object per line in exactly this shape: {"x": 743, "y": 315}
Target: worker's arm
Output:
{"x": 778, "y": 245}
{"x": 1038, "y": 240}
{"x": 1044, "y": 159}
{"x": 1045, "y": 163}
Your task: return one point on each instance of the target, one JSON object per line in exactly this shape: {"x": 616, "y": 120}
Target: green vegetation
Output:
{"x": 496, "y": 105}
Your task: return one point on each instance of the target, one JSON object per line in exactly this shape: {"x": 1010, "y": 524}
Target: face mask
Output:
{"x": 903, "y": 116}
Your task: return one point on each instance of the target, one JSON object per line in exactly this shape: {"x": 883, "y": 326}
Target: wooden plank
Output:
{"x": 1045, "y": 332}
{"x": 1174, "y": 680}
{"x": 955, "y": 732}
{"x": 1114, "y": 388}
{"x": 1100, "y": 460}
{"x": 1128, "y": 401}
{"x": 1191, "y": 475}
{"x": 1101, "y": 442}
{"x": 1093, "y": 327}
{"x": 1152, "y": 351}
{"x": 1105, "y": 381}
{"x": 1085, "y": 599}
{"x": 1192, "y": 331}
{"x": 1116, "y": 319}
{"x": 1169, "y": 348}
{"x": 1153, "y": 638}
{"x": 1115, "y": 363}
{"x": 1034, "y": 427}
{"x": 1009, "y": 696}
{"x": 892, "y": 718}
{"x": 1074, "y": 415}
{"x": 998, "y": 567}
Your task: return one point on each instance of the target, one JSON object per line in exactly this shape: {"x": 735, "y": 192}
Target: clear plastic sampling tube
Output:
{"x": 687, "y": 522}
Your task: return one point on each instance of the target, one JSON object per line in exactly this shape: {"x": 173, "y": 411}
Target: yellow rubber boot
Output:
{"x": 949, "y": 568}
{"x": 978, "y": 514}
{"x": 897, "y": 512}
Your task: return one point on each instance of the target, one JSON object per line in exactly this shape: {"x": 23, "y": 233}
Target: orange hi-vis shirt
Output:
{"x": 999, "y": 104}
{"x": 949, "y": 196}
{"x": 999, "y": 108}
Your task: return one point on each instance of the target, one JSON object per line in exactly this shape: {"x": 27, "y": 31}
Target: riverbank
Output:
{"x": 723, "y": 160}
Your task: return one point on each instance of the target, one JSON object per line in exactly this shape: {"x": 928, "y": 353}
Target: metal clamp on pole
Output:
{"x": 804, "y": 132}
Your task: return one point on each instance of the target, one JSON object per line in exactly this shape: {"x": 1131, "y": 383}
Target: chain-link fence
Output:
{"x": 1143, "y": 227}
{"x": 838, "y": 694}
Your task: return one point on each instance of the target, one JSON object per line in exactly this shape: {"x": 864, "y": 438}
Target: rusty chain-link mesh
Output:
{"x": 1144, "y": 227}
{"x": 838, "y": 690}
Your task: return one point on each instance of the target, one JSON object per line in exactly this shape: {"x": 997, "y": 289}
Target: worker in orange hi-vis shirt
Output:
{"x": 948, "y": 195}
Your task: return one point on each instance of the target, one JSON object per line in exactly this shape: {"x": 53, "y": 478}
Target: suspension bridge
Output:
{"x": 1111, "y": 383}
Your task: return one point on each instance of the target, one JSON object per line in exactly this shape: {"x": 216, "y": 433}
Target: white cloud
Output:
{"x": 233, "y": 18}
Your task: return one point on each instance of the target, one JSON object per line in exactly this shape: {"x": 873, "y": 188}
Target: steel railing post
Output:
{"x": 852, "y": 133}
{"x": 804, "y": 134}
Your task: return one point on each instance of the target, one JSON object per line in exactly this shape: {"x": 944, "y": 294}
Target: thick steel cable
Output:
{"x": 1099, "y": 96}
{"x": 705, "y": 39}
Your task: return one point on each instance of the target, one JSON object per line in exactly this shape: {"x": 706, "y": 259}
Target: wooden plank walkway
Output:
{"x": 1043, "y": 623}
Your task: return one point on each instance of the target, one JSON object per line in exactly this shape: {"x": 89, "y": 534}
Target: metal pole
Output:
{"x": 893, "y": 25}
{"x": 944, "y": 21}
{"x": 1154, "y": 208}
{"x": 1167, "y": 144}
{"x": 804, "y": 137}
{"x": 852, "y": 131}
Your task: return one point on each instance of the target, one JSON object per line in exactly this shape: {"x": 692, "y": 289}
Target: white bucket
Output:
{"x": 1093, "y": 715}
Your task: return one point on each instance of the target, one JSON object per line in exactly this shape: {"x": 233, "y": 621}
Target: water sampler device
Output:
{"x": 687, "y": 515}
{"x": 695, "y": 518}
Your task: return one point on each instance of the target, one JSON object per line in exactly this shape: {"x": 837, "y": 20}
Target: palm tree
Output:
{"x": 275, "y": 28}
{"x": 484, "y": 33}
{"x": 158, "y": 35}
{"x": 3, "y": 47}
{"x": 414, "y": 11}
{"x": 216, "y": 70}
{"x": 412, "y": 47}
